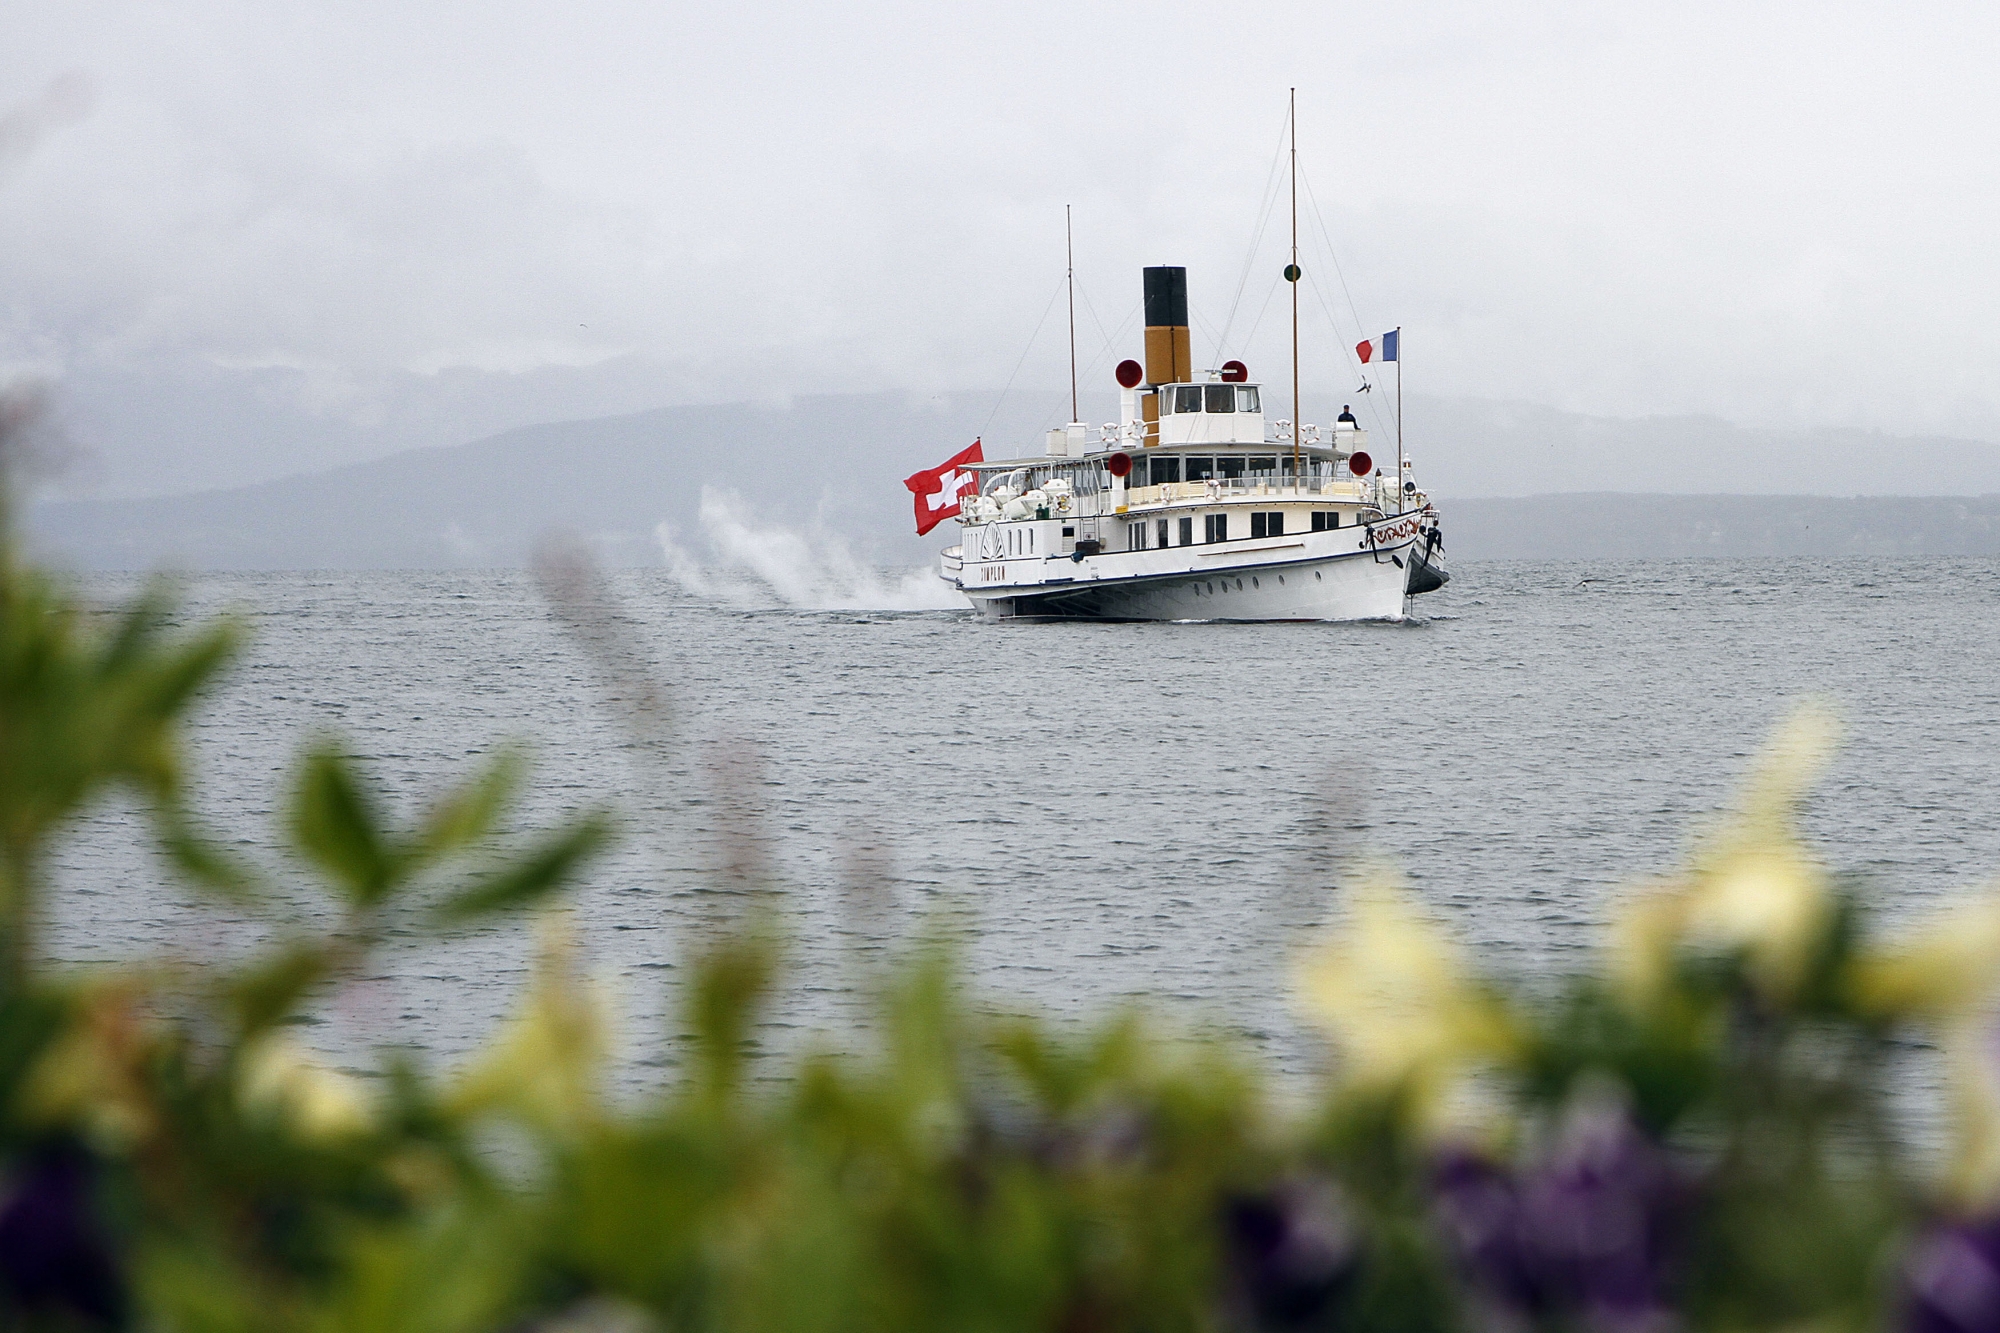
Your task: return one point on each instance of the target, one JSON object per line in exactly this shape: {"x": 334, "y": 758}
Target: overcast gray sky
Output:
{"x": 1781, "y": 214}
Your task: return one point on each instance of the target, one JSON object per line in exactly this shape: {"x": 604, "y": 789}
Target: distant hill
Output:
{"x": 831, "y": 464}
{"x": 828, "y": 471}
{"x": 1609, "y": 526}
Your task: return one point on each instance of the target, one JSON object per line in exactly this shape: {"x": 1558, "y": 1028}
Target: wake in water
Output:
{"x": 749, "y": 565}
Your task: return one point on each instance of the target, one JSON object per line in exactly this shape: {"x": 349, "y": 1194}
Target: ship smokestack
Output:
{"x": 1168, "y": 360}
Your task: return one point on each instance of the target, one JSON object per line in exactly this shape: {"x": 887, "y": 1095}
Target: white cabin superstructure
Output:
{"x": 1193, "y": 507}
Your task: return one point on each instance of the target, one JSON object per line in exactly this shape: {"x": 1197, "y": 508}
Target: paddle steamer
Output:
{"x": 1192, "y": 507}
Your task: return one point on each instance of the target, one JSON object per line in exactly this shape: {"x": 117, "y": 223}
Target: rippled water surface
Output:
{"x": 1107, "y": 812}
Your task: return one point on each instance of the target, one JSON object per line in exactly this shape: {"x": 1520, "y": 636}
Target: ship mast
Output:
{"x": 1292, "y": 274}
{"x": 1069, "y": 252}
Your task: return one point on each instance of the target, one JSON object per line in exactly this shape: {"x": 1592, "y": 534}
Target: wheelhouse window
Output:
{"x": 1187, "y": 398}
{"x": 1221, "y": 397}
{"x": 1200, "y": 469}
{"x": 1246, "y": 398}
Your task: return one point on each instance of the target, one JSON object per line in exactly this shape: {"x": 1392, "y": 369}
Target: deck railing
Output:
{"x": 1240, "y": 488}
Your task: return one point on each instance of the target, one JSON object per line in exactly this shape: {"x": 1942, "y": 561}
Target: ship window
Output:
{"x": 1187, "y": 532}
{"x": 1221, "y": 397}
{"x": 1216, "y": 527}
{"x": 1135, "y": 536}
{"x": 1200, "y": 469}
{"x": 1263, "y": 466}
{"x": 1069, "y": 530}
{"x": 1166, "y": 403}
{"x": 1319, "y": 521}
{"x": 1166, "y": 470}
{"x": 1163, "y": 532}
{"x": 1187, "y": 398}
{"x": 1267, "y": 525}
{"x": 1246, "y": 398}
{"x": 1229, "y": 466}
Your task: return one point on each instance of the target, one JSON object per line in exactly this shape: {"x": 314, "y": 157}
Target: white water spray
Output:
{"x": 749, "y": 564}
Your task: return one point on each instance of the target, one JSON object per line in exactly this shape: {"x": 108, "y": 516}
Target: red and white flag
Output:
{"x": 938, "y": 490}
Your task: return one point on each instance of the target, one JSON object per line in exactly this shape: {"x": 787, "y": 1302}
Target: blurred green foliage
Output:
{"x": 1696, "y": 1133}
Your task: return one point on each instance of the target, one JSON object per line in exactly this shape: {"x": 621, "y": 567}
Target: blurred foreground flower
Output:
{"x": 278, "y": 1079}
{"x": 1951, "y": 1282}
{"x": 56, "y": 1262}
{"x": 1584, "y": 1236}
{"x": 1399, "y": 1003}
{"x": 1751, "y": 889}
{"x": 543, "y": 1067}
{"x": 1292, "y": 1250}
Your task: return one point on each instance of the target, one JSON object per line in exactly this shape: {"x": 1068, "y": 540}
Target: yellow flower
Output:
{"x": 1949, "y": 970}
{"x": 276, "y": 1077}
{"x": 543, "y": 1067}
{"x": 1751, "y": 888}
{"x": 1397, "y": 1000}
{"x": 92, "y": 1075}
{"x": 1973, "y": 1052}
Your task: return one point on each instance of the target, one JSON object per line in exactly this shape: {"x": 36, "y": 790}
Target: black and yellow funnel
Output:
{"x": 1168, "y": 360}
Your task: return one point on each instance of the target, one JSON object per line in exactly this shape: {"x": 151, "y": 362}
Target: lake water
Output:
{"x": 1157, "y": 813}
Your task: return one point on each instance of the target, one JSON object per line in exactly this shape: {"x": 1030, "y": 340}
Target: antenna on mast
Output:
{"x": 1069, "y": 251}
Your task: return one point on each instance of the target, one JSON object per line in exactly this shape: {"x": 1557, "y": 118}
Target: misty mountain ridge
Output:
{"x": 829, "y": 470}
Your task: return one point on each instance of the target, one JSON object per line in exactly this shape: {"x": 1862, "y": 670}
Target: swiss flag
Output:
{"x": 939, "y": 489}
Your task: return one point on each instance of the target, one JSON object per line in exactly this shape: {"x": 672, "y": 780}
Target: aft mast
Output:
{"x": 1069, "y": 253}
{"x": 1292, "y": 275}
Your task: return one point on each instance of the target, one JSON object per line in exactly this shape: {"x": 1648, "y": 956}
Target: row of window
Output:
{"x": 1160, "y": 469}
{"x": 1210, "y": 398}
{"x": 1215, "y": 528}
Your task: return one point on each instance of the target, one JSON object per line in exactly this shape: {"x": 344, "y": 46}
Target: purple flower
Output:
{"x": 1291, "y": 1251}
{"x": 1951, "y": 1281}
{"x": 1586, "y": 1235}
{"x": 54, "y": 1256}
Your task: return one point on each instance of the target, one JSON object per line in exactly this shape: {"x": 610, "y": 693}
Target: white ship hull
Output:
{"x": 1338, "y": 575}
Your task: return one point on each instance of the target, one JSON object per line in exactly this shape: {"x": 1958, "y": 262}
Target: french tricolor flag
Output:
{"x": 1380, "y": 349}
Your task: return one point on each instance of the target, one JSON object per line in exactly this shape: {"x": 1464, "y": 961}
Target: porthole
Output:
{"x": 1239, "y": 585}
{"x": 1253, "y": 582}
{"x": 1211, "y": 590}
{"x": 1318, "y": 577}
{"x": 1281, "y": 580}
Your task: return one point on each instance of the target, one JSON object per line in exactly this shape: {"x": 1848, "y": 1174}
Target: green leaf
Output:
{"x": 338, "y": 829}
{"x": 270, "y": 990}
{"x": 469, "y": 814}
{"x": 208, "y": 865}
{"x": 534, "y": 876}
